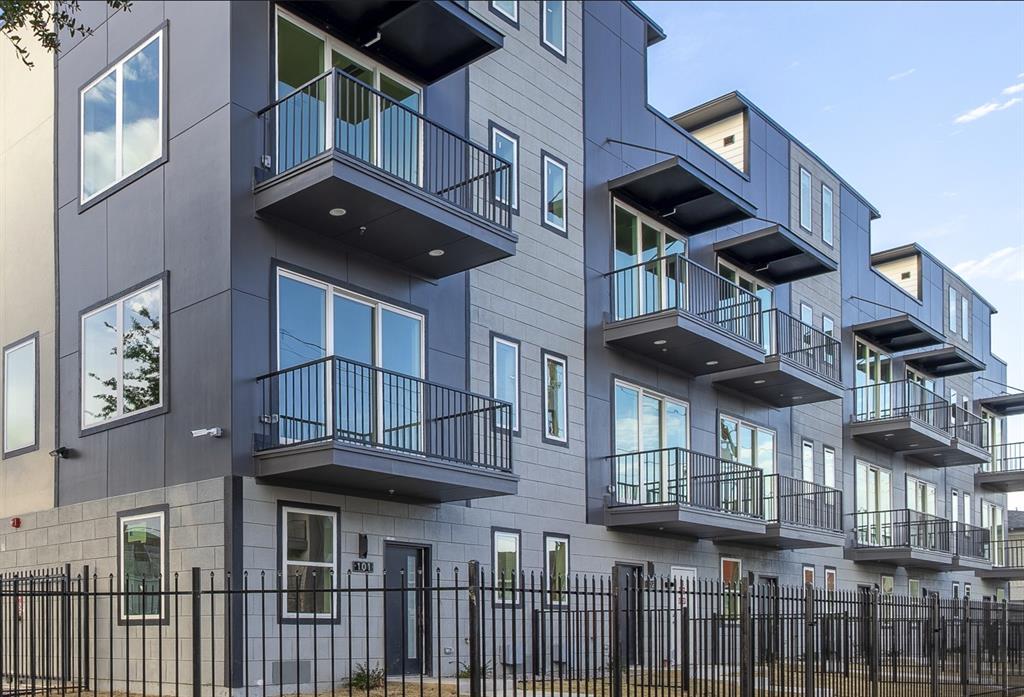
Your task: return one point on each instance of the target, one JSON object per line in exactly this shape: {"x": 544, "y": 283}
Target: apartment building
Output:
{"x": 332, "y": 296}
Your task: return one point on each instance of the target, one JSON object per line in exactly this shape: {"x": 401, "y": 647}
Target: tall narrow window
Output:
{"x": 830, "y": 579}
{"x": 888, "y": 584}
{"x": 509, "y": 9}
{"x": 555, "y": 417}
{"x": 826, "y": 215}
{"x": 553, "y": 25}
{"x": 21, "y": 397}
{"x": 965, "y": 318}
{"x": 914, "y": 587}
{"x": 954, "y": 506}
{"x": 143, "y": 567}
{"x": 805, "y": 199}
{"x": 554, "y": 188}
{"x": 122, "y": 357}
{"x": 968, "y": 514}
{"x": 829, "y": 456}
{"x": 556, "y": 568}
{"x": 732, "y": 572}
{"x": 828, "y": 328}
{"x": 505, "y": 146}
{"x": 122, "y": 116}
{"x": 506, "y": 563}
{"x": 952, "y": 310}
{"x": 309, "y": 560}
{"x": 808, "y": 575}
{"x": 807, "y": 459}
{"x": 505, "y": 379}
{"x": 807, "y": 320}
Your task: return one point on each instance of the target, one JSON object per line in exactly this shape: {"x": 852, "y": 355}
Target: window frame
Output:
{"x": 493, "y": 130}
{"x": 161, "y": 511}
{"x": 757, "y": 429}
{"x": 806, "y": 448}
{"x": 160, "y": 33}
{"x": 515, "y": 344}
{"x": 512, "y": 19}
{"x": 965, "y": 315}
{"x": 550, "y": 592}
{"x": 560, "y": 52}
{"x": 285, "y": 617}
{"x": 828, "y": 239}
{"x": 887, "y": 579}
{"x": 804, "y": 573}
{"x": 830, "y": 571}
{"x": 952, "y": 305}
{"x": 826, "y": 450}
{"x": 546, "y": 356}
{"x": 800, "y": 200}
{"x": 161, "y": 281}
{"x": 545, "y": 158}
{"x": 33, "y": 339}
{"x": 500, "y": 594}
{"x": 910, "y": 587}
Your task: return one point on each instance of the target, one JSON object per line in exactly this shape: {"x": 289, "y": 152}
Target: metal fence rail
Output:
{"x": 903, "y": 527}
{"x": 799, "y": 502}
{"x": 900, "y": 399}
{"x": 1006, "y": 457}
{"x": 469, "y": 632}
{"x": 802, "y": 344}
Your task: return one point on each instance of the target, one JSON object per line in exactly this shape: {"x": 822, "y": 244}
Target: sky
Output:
{"x": 919, "y": 106}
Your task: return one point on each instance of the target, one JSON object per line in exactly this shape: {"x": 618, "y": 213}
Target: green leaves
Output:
{"x": 46, "y": 20}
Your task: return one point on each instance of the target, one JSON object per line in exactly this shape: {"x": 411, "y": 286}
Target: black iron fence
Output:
{"x": 336, "y": 112}
{"x": 674, "y": 282}
{"x": 335, "y": 399}
{"x": 468, "y": 632}
{"x": 802, "y": 344}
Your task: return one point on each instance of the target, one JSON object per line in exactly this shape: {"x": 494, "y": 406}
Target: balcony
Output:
{"x": 1007, "y": 561}
{"x": 968, "y": 444}
{"x": 352, "y": 164}
{"x": 970, "y": 548}
{"x": 678, "y": 313}
{"x": 798, "y": 515}
{"x": 1004, "y": 471}
{"x": 801, "y": 367}
{"x": 686, "y": 493}
{"x": 902, "y": 537}
{"x": 339, "y": 425}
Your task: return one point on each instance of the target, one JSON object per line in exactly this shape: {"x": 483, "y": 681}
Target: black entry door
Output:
{"x": 407, "y": 609}
{"x": 630, "y": 581}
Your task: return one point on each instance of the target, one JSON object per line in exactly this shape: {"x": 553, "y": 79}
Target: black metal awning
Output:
{"x": 677, "y": 191}
{"x": 945, "y": 361}
{"x": 1004, "y": 404}
{"x": 898, "y": 333}
{"x": 423, "y": 39}
{"x": 776, "y": 254}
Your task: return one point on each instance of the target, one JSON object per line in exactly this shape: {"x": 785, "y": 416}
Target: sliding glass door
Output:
{"x": 648, "y": 429}
{"x": 873, "y": 378}
{"x": 874, "y": 503}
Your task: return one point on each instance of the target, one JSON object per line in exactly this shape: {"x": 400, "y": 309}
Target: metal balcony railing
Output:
{"x": 1006, "y": 457}
{"x": 677, "y": 475}
{"x": 1007, "y": 554}
{"x": 968, "y": 427}
{"x": 674, "y": 282}
{"x": 337, "y": 112}
{"x": 334, "y": 399}
{"x": 794, "y": 501}
{"x": 903, "y": 527}
{"x": 811, "y": 349}
{"x": 900, "y": 399}
{"x": 971, "y": 541}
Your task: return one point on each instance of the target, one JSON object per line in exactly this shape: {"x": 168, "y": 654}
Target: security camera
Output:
{"x": 215, "y": 432}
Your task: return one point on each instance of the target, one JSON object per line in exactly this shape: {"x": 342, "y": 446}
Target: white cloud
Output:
{"x": 1006, "y": 264}
{"x": 984, "y": 110}
{"x": 1014, "y": 89}
{"x": 901, "y": 75}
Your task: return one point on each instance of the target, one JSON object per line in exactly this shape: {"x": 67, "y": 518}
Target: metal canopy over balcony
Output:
{"x": 338, "y": 425}
{"x": 798, "y": 515}
{"x": 1007, "y": 561}
{"x": 776, "y": 254}
{"x": 900, "y": 416}
{"x": 681, "y": 314}
{"x": 945, "y": 361}
{"x": 354, "y": 165}
{"x": 679, "y": 192}
{"x": 685, "y": 493}
{"x": 902, "y": 537}
{"x": 1005, "y": 470}
{"x": 1004, "y": 404}
{"x": 898, "y": 333}
{"x": 801, "y": 367}
{"x": 423, "y": 39}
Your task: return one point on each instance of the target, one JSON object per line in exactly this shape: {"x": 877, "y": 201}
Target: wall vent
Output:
{"x": 728, "y": 140}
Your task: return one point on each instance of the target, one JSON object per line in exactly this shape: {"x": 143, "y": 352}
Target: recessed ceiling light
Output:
{"x": 337, "y": 212}
{"x": 798, "y": 396}
{"x": 913, "y": 445}
{"x": 759, "y": 382}
{"x": 888, "y": 435}
{"x": 436, "y": 252}
{"x": 660, "y": 342}
{"x": 711, "y": 363}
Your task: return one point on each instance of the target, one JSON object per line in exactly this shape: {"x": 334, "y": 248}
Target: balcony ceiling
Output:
{"x": 945, "y": 361}
{"x": 423, "y": 39}
{"x": 1004, "y": 404}
{"x": 909, "y": 557}
{"x": 780, "y": 383}
{"x": 1000, "y": 480}
{"x": 688, "y": 521}
{"x": 680, "y": 193}
{"x": 898, "y": 333}
{"x": 776, "y": 254}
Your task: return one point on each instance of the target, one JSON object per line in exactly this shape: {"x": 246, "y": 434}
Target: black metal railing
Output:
{"x": 1007, "y": 554}
{"x": 794, "y": 501}
{"x": 466, "y": 630}
{"x": 971, "y": 541}
{"x": 786, "y": 336}
{"x": 900, "y": 399}
{"x": 903, "y": 527}
{"x": 335, "y": 399}
{"x": 674, "y": 282}
{"x": 685, "y": 477}
{"x": 336, "y": 112}
{"x": 968, "y": 427}
{"x": 1005, "y": 457}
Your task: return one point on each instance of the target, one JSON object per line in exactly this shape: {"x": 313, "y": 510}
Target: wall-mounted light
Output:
{"x": 62, "y": 451}
{"x": 214, "y": 432}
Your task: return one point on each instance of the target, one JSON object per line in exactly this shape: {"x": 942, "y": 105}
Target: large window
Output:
{"x": 952, "y": 310}
{"x": 553, "y": 25}
{"x": 143, "y": 563}
{"x": 655, "y": 285}
{"x": 751, "y": 445}
{"x": 123, "y": 356}
{"x": 764, "y": 293}
{"x": 505, "y": 378}
{"x": 920, "y": 496}
{"x": 556, "y": 568}
{"x": 648, "y": 428}
{"x": 555, "y": 191}
{"x": 505, "y": 146}
{"x": 21, "y": 397}
{"x": 506, "y": 563}
{"x": 827, "y": 220}
{"x": 309, "y": 560}
{"x": 872, "y": 377}
{"x": 873, "y": 499}
{"x": 122, "y": 119}
{"x": 555, "y": 405}
{"x": 805, "y": 199}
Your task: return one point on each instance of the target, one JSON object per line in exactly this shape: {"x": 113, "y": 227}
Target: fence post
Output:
{"x": 874, "y": 627}
{"x": 615, "y": 646}
{"x": 86, "y": 626}
{"x": 474, "y": 630}
{"x": 965, "y": 645}
{"x": 65, "y": 643}
{"x": 809, "y": 640}
{"x": 933, "y": 646}
{"x": 746, "y": 642}
{"x": 197, "y": 637}
{"x": 1004, "y": 646}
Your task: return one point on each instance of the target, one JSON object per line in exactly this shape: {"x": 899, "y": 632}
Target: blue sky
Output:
{"x": 919, "y": 106}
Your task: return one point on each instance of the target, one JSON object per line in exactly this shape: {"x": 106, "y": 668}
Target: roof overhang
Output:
{"x": 423, "y": 39}
{"x": 945, "y": 361}
{"x": 1004, "y": 404}
{"x": 679, "y": 192}
{"x": 902, "y": 332}
{"x": 776, "y": 254}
